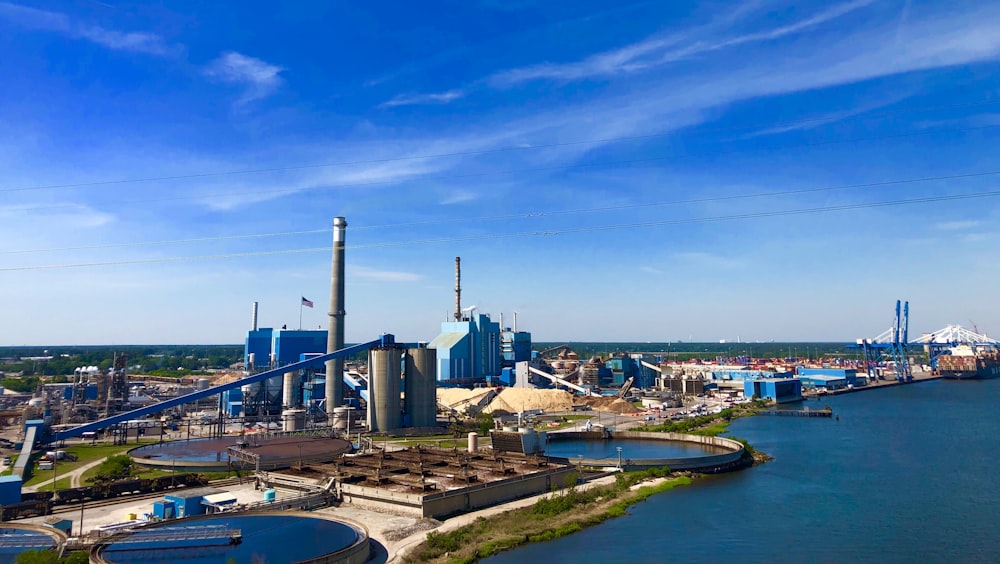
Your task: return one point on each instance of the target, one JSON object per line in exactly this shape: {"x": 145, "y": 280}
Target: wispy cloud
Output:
{"x": 259, "y": 78}
{"x": 55, "y": 22}
{"x": 416, "y": 99}
{"x": 650, "y": 270}
{"x": 957, "y": 225}
{"x": 658, "y": 51}
{"x": 382, "y": 275}
{"x": 831, "y": 117}
{"x": 459, "y": 197}
{"x": 708, "y": 260}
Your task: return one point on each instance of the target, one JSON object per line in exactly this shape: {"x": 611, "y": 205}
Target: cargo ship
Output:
{"x": 966, "y": 363}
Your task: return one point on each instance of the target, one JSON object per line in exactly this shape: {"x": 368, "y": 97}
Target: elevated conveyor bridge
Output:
{"x": 384, "y": 340}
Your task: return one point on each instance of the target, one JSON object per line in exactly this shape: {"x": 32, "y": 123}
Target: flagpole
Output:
{"x": 300, "y": 315}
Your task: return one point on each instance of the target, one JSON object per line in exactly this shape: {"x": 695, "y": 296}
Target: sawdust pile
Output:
{"x": 461, "y": 399}
{"x": 513, "y": 400}
{"x": 226, "y": 378}
{"x": 608, "y": 404}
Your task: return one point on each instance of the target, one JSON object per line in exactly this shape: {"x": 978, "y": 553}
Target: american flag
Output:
{"x": 306, "y": 302}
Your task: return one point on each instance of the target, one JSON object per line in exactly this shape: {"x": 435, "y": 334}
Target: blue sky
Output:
{"x": 644, "y": 171}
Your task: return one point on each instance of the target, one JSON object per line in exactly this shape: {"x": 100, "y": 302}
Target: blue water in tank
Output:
{"x": 19, "y": 541}
{"x": 630, "y": 449}
{"x": 266, "y": 538}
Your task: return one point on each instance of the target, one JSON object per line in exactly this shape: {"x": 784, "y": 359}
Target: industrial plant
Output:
{"x": 327, "y": 423}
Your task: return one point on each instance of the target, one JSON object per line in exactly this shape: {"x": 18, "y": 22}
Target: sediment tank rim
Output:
{"x": 357, "y": 552}
{"x": 735, "y": 448}
{"x": 58, "y": 537}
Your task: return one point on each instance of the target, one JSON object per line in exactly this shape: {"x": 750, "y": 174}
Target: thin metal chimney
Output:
{"x": 335, "y": 333}
{"x": 253, "y": 316}
{"x": 458, "y": 288}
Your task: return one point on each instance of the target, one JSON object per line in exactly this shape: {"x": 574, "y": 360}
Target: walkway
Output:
{"x": 75, "y": 476}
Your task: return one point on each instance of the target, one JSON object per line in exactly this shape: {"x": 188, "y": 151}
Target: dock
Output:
{"x": 798, "y": 412}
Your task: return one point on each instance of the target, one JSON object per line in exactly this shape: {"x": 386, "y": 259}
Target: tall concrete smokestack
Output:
{"x": 458, "y": 288}
{"x": 253, "y": 316}
{"x": 335, "y": 334}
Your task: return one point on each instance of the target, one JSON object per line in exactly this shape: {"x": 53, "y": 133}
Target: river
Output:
{"x": 906, "y": 474}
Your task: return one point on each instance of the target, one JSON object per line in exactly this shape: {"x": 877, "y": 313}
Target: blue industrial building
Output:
{"x": 468, "y": 351}
{"x": 781, "y": 390}
{"x": 10, "y": 490}
{"x": 270, "y": 348}
{"x": 259, "y": 343}
{"x": 189, "y": 502}
{"x": 515, "y": 346}
{"x": 622, "y": 367}
{"x": 849, "y": 375}
{"x": 820, "y": 381}
{"x": 290, "y": 345}
{"x": 743, "y": 375}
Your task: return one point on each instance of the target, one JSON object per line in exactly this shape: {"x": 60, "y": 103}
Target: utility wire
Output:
{"x": 622, "y": 163}
{"x": 512, "y": 148}
{"x": 528, "y": 215}
{"x": 523, "y": 234}
{"x": 172, "y": 242}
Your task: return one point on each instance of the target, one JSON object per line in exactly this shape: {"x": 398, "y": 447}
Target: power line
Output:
{"x": 621, "y": 163}
{"x": 171, "y": 242}
{"x": 484, "y": 151}
{"x": 523, "y": 234}
{"x": 527, "y": 215}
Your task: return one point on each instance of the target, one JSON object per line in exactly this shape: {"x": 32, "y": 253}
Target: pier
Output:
{"x": 798, "y": 412}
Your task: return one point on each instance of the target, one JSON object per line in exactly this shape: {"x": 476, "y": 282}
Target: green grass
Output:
{"x": 549, "y": 518}
{"x": 61, "y": 484}
{"x": 85, "y": 454}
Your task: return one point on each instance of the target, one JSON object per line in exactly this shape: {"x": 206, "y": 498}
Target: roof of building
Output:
{"x": 446, "y": 340}
{"x": 197, "y": 492}
{"x": 219, "y": 498}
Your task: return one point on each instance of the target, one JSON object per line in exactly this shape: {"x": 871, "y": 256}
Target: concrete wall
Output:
{"x": 456, "y": 501}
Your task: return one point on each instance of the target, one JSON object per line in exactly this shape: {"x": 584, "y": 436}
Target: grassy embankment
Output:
{"x": 86, "y": 454}
{"x": 713, "y": 425}
{"x": 573, "y": 509}
{"x": 551, "y": 517}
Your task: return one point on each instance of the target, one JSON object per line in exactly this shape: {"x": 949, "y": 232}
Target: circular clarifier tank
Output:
{"x": 207, "y": 455}
{"x": 636, "y": 450}
{"x": 257, "y": 537}
{"x": 16, "y": 538}
{"x": 631, "y": 448}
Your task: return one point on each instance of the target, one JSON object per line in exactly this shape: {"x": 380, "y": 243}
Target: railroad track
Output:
{"x": 75, "y": 506}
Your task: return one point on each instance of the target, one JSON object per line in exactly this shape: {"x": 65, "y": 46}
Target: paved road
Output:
{"x": 75, "y": 476}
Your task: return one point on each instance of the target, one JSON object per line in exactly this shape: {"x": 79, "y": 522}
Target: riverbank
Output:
{"x": 574, "y": 508}
{"x": 549, "y": 517}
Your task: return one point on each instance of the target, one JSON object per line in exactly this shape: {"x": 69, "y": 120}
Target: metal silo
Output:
{"x": 421, "y": 386}
{"x": 290, "y": 389}
{"x": 384, "y": 413}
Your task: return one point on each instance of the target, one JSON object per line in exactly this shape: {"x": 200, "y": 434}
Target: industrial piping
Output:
{"x": 386, "y": 340}
{"x": 335, "y": 333}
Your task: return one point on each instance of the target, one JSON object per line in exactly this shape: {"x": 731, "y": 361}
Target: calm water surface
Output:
{"x": 630, "y": 449}
{"x": 908, "y": 474}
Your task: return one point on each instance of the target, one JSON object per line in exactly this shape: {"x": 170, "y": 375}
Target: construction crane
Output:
{"x": 891, "y": 343}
